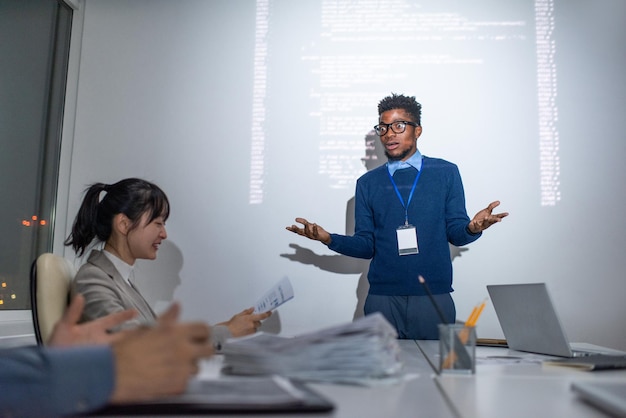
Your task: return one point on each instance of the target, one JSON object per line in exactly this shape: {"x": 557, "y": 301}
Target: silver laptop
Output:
{"x": 529, "y": 321}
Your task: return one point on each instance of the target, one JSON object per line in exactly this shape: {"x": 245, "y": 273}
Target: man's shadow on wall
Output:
{"x": 341, "y": 264}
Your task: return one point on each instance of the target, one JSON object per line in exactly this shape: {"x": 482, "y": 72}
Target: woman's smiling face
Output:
{"x": 144, "y": 240}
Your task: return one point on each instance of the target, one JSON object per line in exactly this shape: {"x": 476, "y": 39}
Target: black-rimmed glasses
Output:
{"x": 397, "y": 127}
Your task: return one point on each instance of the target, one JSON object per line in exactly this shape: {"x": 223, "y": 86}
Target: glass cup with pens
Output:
{"x": 457, "y": 342}
{"x": 457, "y": 349}
{"x": 457, "y": 345}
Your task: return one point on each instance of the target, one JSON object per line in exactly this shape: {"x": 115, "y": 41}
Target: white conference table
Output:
{"x": 507, "y": 383}
{"x": 513, "y": 384}
{"x": 415, "y": 395}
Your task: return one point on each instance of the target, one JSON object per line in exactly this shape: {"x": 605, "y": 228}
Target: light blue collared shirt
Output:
{"x": 414, "y": 160}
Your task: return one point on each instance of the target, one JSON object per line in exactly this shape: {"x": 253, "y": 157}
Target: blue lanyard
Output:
{"x": 406, "y": 207}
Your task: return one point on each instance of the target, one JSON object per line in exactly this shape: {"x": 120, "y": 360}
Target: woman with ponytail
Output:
{"x": 127, "y": 219}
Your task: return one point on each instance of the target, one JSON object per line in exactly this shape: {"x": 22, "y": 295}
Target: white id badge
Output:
{"x": 407, "y": 240}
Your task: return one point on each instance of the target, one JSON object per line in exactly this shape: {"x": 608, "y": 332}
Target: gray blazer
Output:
{"x": 105, "y": 292}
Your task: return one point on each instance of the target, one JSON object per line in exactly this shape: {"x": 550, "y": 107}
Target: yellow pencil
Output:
{"x": 473, "y": 320}
{"x": 470, "y": 318}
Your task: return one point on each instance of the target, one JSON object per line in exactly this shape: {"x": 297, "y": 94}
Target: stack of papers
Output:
{"x": 353, "y": 353}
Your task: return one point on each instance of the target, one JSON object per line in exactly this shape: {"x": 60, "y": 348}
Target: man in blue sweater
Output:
{"x": 406, "y": 214}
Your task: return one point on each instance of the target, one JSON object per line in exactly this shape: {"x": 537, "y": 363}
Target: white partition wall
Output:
{"x": 249, "y": 114}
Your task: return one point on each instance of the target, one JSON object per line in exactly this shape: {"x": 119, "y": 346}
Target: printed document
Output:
{"x": 276, "y": 296}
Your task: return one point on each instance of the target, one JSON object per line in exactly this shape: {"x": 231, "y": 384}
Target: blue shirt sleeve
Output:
{"x": 39, "y": 381}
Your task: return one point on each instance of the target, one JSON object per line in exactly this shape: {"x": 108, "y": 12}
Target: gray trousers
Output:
{"x": 414, "y": 317}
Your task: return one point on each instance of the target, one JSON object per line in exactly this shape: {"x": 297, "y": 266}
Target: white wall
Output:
{"x": 166, "y": 89}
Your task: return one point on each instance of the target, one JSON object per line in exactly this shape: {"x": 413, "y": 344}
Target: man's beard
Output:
{"x": 404, "y": 154}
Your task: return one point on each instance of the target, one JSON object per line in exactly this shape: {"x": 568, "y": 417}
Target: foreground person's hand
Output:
{"x": 152, "y": 362}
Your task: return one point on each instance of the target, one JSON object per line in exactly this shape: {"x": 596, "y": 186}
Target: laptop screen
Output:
{"x": 528, "y": 318}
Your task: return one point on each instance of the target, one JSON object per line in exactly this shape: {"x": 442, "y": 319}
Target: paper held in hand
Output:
{"x": 280, "y": 293}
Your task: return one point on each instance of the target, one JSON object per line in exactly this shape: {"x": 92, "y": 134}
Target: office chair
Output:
{"x": 50, "y": 279}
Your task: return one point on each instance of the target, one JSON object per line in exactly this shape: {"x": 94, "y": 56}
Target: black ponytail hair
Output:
{"x": 133, "y": 197}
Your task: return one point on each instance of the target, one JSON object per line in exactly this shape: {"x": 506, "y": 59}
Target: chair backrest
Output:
{"x": 50, "y": 280}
